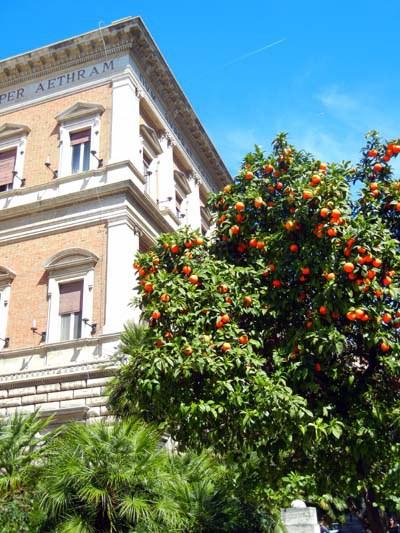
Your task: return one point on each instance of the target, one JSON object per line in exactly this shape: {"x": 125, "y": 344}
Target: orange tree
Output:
{"x": 274, "y": 341}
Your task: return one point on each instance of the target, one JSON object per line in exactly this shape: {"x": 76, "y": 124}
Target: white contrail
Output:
{"x": 254, "y": 52}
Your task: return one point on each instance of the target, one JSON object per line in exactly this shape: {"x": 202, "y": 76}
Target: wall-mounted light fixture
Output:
{"x": 168, "y": 199}
{"x": 34, "y": 330}
{"x": 48, "y": 165}
{"x": 21, "y": 180}
{"x": 93, "y": 327}
{"x": 6, "y": 341}
{"x": 99, "y": 161}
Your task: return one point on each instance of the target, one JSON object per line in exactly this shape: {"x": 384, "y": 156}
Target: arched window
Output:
{"x": 70, "y": 292}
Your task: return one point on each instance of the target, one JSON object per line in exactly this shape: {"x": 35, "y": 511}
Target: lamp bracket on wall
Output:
{"x": 92, "y": 326}
{"x": 22, "y": 180}
{"x": 6, "y": 341}
{"x": 99, "y": 161}
{"x": 42, "y": 335}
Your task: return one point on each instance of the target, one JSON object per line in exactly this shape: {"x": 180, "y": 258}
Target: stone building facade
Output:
{"x": 100, "y": 152}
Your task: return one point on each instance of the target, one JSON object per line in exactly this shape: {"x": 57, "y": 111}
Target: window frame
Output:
{"x": 18, "y": 143}
{"x": 6, "y": 279}
{"x": 74, "y": 125}
{"x": 66, "y": 267}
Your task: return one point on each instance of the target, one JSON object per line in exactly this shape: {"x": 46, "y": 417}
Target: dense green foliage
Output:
{"x": 103, "y": 478}
{"x": 276, "y": 341}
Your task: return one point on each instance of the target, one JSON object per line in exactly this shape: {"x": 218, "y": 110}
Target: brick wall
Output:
{"x": 43, "y": 139}
{"x": 28, "y": 299}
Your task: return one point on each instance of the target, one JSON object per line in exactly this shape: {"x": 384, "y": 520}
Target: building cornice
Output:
{"x": 126, "y": 35}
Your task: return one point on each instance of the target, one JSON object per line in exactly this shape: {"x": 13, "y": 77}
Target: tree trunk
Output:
{"x": 373, "y": 516}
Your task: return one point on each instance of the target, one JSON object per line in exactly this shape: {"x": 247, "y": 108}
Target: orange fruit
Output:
{"x": 348, "y": 267}
{"x": 148, "y": 287}
{"x": 227, "y": 188}
{"x": 268, "y": 169}
{"x": 186, "y": 269}
{"x": 188, "y": 350}
{"x": 315, "y": 180}
{"x": 306, "y": 271}
{"x": 331, "y": 232}
{"x": 258, "y": 202}
{"x": 234, "y": 230}
{"x": 277, "y": 283}
{"x": 243, "y": 339}
{"x": 294, "y": 248}
{"x": 193, "y": 279}
{"x": 248, "y": 176}
{"x": 351, "y": 315}
{"x": 307, "y": 195}
{"x": 155, "y": 315}
{"x": 384, "y": 346}
{"x": 331, "y": 276}
{"x": 387, "y": 317}
{"x": 226, "y": 347}
{"x": 317, "y": 367}
{"x": 377, "y": 167}
{"x": 174, "y": 248}
{"x": 225, "y": 319}
{"x": 239, "y": 206}
{"x": 165, "y": 297}
{"x": 335, "y": 213}
{"x": 253, "y": 243}
{"x": 322, "y": 310}
{"x": 372, "y": 153}
{"x": 247, "y": 301}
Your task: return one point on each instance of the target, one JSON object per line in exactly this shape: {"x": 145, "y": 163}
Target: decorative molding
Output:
{"x": 80, "y": 110}
{"x": 150, "y": 139}
{"x": 6, "y": 276}
{"x": 58, "y": 374}
{"x": 71, "y": 258}
{"x": 9, "y": 130}
{"x": 129, "y": 34}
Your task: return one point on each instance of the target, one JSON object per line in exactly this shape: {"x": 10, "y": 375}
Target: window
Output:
{"x": 151, "y": 149}
{"x": 80, "y": 143}
{"x": 147, "y": 160}
{"x": 6, "y": 278}
{"x": 7, "y": 167}
{"x": 70, "y": 292}
{"x": 79, "y": 134}
{"x": 70, "y": 310}
{"x": 182, "y": 191}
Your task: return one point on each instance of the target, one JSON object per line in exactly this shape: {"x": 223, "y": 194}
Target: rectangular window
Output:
{"x": 70, "y": 310}
{"x": 7, "y": 166}
{"x": 146, "y": 171}
{"x": 80, "y": 143}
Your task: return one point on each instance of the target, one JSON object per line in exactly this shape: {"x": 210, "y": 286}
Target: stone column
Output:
{"x": 125, "y": 134}
{"x": 165, "y": 178}
{"x": 122, "y": 245}
{"x": 193, "y": 215}
{"x": 300, "y": 519}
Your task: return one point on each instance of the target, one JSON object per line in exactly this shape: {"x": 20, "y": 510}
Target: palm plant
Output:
{"x": 22, "y": 445}
{"x": 104, "y": 478}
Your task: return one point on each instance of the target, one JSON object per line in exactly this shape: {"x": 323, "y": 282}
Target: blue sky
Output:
{"x": 333, "y": 75}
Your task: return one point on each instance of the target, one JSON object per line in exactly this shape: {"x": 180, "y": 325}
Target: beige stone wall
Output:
{"x": 28, "y": 298}
{"x": 43, "y": 139}
{"x": 85, "y": 394}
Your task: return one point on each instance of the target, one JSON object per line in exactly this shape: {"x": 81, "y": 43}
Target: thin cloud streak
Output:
{"x": 254, "y": 52}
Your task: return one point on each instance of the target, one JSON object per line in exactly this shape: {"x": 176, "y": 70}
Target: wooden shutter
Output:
{"x": 7, "y": 165}
{"x": 80, "y": 137}
{"x": 71, "y": 297}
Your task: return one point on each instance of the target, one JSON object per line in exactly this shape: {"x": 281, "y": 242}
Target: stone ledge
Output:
{"x": 56, "y": 375}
